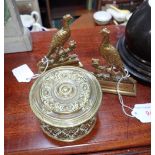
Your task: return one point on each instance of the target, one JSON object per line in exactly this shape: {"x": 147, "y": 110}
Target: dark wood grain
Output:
{"x": 113, "y": 131}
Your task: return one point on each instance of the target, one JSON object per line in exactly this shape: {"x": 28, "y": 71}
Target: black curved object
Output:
{"x": 135, "y": 46}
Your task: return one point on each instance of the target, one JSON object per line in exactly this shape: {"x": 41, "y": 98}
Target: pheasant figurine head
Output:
{"x": 67, "y": 18}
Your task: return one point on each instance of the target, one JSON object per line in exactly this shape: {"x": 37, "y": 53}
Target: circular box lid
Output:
{"x": 65, "y": 96}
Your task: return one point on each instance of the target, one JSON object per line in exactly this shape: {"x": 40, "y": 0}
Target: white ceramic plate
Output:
{"x": 102, "y": 17}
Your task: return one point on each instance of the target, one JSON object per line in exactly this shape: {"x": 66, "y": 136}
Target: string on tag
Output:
{"x": 127, "y": 75}
{"x": 44, "y": 60}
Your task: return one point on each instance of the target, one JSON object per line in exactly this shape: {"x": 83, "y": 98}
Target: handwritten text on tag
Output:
{"x": 142, "y": 112}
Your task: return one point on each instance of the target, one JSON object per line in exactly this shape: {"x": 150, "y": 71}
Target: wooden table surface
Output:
{"x": 114, "y": 133}
{"x": 86, "y": 20}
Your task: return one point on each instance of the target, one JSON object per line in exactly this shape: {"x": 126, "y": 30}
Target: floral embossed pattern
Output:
{"x": 64, "y": 91}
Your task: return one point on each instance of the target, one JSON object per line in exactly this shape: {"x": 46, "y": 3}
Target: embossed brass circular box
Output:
{"x": 66, "y": 100}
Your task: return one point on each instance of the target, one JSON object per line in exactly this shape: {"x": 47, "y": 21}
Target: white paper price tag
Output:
{"x": 23, "y": 73}
{"x": 142, "y": 112}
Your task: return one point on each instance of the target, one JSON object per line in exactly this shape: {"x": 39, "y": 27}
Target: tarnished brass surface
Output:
{"x": 108, "y": 51}
{"x": 66, "y": 99}
{"x": 110, "y": 73}
{"x": 125, "y": 88}
{"x": 58, "y": 55}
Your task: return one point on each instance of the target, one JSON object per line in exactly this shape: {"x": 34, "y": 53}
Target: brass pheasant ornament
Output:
{"x": 62, "y": 36}
{"x": 58, "y": 55}
{"x": 110, "y": 53}
{"x": 114, "y": 67}
{"x": 111, "y": 72}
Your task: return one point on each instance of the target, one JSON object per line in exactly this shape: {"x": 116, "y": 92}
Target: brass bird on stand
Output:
{"x": 57, "y": 54}
{"x": 110, "y": 73}
{"x": 61, "y": 36}
{"x": 110, "y": 54}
